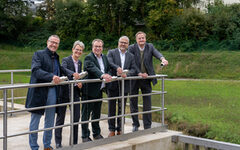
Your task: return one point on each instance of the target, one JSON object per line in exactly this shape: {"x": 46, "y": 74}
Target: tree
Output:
{"x": 15, "y": 18}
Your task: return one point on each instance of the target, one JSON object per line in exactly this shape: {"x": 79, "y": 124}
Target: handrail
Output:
{"x": 12, "y": 82}
{"x": 16, "y": 70}
{"x": 71, "y": 103}
{"x": 75, "y": 81}
{"x": 207, "y": 143}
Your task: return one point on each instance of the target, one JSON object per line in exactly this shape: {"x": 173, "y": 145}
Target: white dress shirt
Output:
{"x": 122, "y": 57}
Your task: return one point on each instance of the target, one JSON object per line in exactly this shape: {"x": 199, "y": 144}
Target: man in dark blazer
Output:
{"x": 45, "y": 68}
{"x": 72, "y": 64}
{"x": 97, "y": 66}
{"x": 143, "y": 53}
{"x": 119, "y": 59}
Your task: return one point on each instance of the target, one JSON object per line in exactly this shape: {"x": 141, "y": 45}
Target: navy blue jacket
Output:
{"x": 68, "y": 64}
{"x": 42, "y": 72}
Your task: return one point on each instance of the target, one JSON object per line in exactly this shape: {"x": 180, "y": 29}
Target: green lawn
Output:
{"x": 207, "y": 102}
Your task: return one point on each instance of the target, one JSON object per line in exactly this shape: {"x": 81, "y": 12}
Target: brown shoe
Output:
{"x": 49, "y": 148}
{"x": 119, "y": 133}
{"x": 111, "y": 133}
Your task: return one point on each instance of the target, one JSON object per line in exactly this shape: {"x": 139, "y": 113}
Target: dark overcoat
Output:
{"x": 42, "y": 72}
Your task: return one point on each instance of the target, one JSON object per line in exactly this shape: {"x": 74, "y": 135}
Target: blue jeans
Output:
{"x": 48, "y": 122}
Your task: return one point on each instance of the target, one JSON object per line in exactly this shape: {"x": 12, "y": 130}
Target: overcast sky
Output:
{"x": 231, "y": 1}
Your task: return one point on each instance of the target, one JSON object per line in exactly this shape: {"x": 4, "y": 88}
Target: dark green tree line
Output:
{"x": 171, "y": 24}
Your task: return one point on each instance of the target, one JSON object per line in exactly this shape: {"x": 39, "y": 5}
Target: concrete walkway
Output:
{"x": 20, "y": 123}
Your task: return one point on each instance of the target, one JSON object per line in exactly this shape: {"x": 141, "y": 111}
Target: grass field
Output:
{"x": 197, "y": 65}
{"x": 206, "y": 108}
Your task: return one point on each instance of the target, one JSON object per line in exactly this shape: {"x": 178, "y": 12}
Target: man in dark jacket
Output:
{"x": 97, "y": 66}
{"x": 45, "y": 68}
{"x": 119, "y": 59}
{"x": 72, "y": 64}
{"x": 143, "y": 53}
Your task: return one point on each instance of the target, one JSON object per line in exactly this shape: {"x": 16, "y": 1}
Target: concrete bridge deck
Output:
{"x": 20, "y": 123}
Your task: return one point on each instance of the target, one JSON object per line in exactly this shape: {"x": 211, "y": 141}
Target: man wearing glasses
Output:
{"x": 45, "y": 68}
{"x": 97, "y": 66}
{"x": 119, "y": 59}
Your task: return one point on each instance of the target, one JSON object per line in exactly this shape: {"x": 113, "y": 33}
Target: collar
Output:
{"x": 141, "y": 49}
{"x": 74, "y": 60}
{"x": 96, "y": 55}
{"x": 121, "y": 51}
{"x": 51, "y": 54}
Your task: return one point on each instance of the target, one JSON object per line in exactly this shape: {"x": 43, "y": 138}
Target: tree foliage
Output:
{"x": 173, "y": 24}
{"x": 15, "y": 18}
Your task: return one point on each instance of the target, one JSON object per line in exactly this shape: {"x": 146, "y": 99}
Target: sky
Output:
{"x": 231, "y": 1}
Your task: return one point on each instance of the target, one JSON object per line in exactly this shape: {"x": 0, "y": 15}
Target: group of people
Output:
{"x": 136, "y": 58}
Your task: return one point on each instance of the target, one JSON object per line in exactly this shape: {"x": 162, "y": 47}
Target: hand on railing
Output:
{"x": 122, "y": 73}
{"x": 114, "y": 78}
{"x": 143, "y": 75}
{"x": 57, "y": 79}
{"x": 81, "y": 75}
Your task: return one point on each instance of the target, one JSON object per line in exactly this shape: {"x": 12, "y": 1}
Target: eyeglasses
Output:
{"x": 78, "y": 50}
{"x": 123, "y": 42}
{"x": 53, "y": 42}
{"x": 98, "y": 46}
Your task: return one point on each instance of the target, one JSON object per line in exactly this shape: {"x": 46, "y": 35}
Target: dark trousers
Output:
{"x": 145, "y": 86}
{"x": 93, "y": 109}
{"x": 61, "y": 113}
{"x": 112, "y": 110}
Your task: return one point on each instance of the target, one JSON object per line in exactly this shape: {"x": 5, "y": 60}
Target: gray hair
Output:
{"x": 140, "y": 32}
{"x": 123, "y": 37}
{"x": 97, "y": 40}
{"x": 80, "y": 43}
{"x": 56, "y": 36}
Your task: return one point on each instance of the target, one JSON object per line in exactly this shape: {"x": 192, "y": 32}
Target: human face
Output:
{"x": 141, "y": 40}
{"x": 97, "y": 48}
{"x": 53, "y": 43}
{"x": 77, "y": 51}
{"x": 123, "y": 44}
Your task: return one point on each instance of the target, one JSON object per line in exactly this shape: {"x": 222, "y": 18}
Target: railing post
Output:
{"x": 186, "y": 146}
{"x": 72, "y": 114}
{"x": 5, "y": 119}
{"x": 196, "y": 147}
{"x": 122, "y": 102}
{"x": 12, "y": 95}
{"x": 162, "y": 101}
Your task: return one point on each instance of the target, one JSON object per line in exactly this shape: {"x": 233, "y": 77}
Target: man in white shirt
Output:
{"x": 119, "y": 59}
{"x": 97, "y": 66}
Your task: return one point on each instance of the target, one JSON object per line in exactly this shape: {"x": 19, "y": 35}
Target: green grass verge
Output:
{"x": 199, "y": 65}
{"x": 206, "y": 108}
{"x": 205, "y": 103}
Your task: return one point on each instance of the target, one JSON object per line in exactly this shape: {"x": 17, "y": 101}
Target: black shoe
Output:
{"x": 148, "y": 127}
{"x": 58, "y": 146}
{"x": 135, "y": 128}
{"x": 87, "y": 139}
{"x": 98, "y": 137}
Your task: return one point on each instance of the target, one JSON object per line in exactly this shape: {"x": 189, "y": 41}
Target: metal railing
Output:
{"x": 71, "y": 103}
{"x": 207, "y": 144}
{"x": 12, "y": 83}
